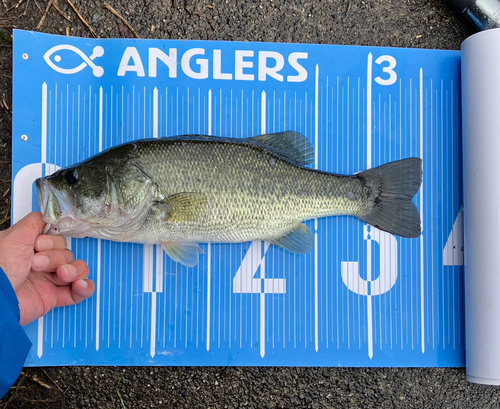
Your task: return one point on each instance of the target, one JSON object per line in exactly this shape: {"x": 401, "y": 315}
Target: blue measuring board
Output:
{"x": 362, "y": 297}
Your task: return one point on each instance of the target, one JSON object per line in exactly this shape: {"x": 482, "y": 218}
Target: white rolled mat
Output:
{"x": 481, "y": 167}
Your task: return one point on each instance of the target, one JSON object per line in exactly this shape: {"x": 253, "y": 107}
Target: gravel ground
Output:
{"x": 407, "y": 23}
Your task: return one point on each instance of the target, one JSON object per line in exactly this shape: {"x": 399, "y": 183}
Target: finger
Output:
{"x": 48, "y": 261}
{"x": 46, "y": 242}
{"x": 82, "y": 289}
{"x": 69, "y": 273}
{"x": 74, "y": 294}
{"x": 66, "y": 274}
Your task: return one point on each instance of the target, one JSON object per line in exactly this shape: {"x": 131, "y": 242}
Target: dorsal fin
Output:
{"x": 291, "y": 144}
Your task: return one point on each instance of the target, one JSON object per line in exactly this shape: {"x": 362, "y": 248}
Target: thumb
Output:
{"x": 26, "y": 230}
{"x": 17, "y": 246}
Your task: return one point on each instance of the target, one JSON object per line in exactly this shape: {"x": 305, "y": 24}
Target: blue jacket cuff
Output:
{"x": 14, "y": 344}
{"x": 9, "y": 294}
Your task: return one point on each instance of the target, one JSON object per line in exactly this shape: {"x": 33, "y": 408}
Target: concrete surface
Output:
{"x": 399, "y": 23}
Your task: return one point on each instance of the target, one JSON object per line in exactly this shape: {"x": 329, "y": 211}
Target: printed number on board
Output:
{"x": 453, "y": 252}
{"x": 245, "y": 282}
{"x": 387, "y": 63}
{"x": 387, "y": 270}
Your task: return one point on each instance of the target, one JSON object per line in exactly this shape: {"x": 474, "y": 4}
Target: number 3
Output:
{"x": 388, "y": 69}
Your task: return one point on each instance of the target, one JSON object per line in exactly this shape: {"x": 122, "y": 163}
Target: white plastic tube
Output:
{"x": 481, "y": 167}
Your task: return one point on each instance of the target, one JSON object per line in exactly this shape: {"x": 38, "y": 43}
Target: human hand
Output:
{"x": 42, "y": 271}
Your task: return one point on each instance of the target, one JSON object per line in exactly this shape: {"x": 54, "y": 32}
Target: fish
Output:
{"x": 183, "y": 190}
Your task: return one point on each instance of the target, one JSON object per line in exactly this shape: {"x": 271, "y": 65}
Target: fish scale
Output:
{"x": 189, "y": 189}
{"x": 248, "y": 197}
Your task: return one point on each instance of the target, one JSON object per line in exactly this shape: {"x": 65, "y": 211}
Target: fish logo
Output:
{"x": 97, "y": 70}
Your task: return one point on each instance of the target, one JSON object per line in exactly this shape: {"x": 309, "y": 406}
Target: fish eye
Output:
{"x": 71, "y": 176}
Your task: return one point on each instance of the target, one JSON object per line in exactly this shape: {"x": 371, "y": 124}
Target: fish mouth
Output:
{"x": 42, "y": 190}
{"x": 56, "y": 206}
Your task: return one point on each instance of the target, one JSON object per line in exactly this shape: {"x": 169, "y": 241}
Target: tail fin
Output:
{"x": 396, "y": 183}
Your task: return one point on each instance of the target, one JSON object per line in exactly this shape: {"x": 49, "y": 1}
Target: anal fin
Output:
{"x": 299, "y": 240}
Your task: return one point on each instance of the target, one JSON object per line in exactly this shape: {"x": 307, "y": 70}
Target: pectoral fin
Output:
{"x": 182, "y": 207}
{"x": 184, "y": 253}
{"x": 298, "y": 240}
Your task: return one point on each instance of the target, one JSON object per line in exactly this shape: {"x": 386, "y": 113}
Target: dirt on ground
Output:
{"x": 408, "y": 23}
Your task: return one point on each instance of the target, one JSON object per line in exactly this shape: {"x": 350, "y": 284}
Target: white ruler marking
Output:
{"x": 422, "y": 293}
{"x": 98, "y": 284}
{"x": 209, "y": 249}
{"x": 316, "y": 144}
{"x": 369, "y": 313}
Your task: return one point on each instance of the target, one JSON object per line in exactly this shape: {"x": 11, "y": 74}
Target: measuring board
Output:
{"x": 362, "y": 297}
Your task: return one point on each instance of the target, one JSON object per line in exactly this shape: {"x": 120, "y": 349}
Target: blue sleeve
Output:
{"x": 14, "y": 343}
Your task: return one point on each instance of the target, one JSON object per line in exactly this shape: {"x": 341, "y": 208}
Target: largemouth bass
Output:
{"x": 183, "y": 190}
